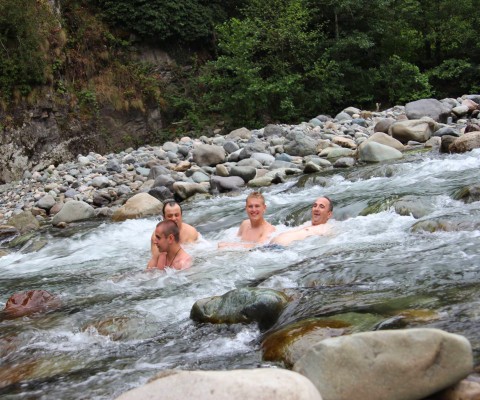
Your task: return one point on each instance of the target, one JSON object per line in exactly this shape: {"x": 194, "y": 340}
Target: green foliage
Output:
{"x": 454, "y": 74}
{"x": 24, "y": 27}
{"x": 401, "y": 82}
{"x": 179, "y": 21}
{"x": 270, "y": 66}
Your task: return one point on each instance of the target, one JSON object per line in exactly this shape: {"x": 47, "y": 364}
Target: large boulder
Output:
{"x": 376, "y": 152}
{"x": 185, "y": 190}
{"x": 418, "y": 130}
{"x": 208, "y": 155}
{"x": 244, "y": 305}
{"x": 394, "y": 365}
{"x": 74, "y": 211}
{"x": 226, "y": 183}
{"x": 300, "y": 144}
{"x": 291, "y": 342}
{"x": 30, "y": 302}
{"x": 24, "y": 222}
{"x": 387, "y": 140}
{"x": 138, "y": 206}
{"x": 467, "y": 142}
{"x": 252, "y": 384}
{"x": 432, "y": 108}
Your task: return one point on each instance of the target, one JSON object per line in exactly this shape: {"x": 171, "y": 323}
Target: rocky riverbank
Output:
{"x": 404, "y": 364}
{"x": 99, "y": 185}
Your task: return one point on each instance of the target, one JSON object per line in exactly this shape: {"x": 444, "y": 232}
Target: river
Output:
{"x": 373, "y": 264}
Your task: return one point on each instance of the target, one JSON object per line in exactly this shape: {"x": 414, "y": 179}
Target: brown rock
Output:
{"x": 464, "y": 390}
{"x": 30, "y": 302}
{"x": 467, "y": 142}
{"x": 291, "y": 343}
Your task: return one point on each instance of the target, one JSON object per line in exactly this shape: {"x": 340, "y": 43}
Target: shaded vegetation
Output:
{"x": 245, "y": 63}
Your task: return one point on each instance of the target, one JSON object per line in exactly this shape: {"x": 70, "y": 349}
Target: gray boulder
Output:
{"x": 300, "y": 144}
{"x": 205, "y": 154}
{"x": 395, "y": 365}
{"x": 376, "y": 152}
{"x": 246, "y": 173}
{"x": 243, "y": 305}
{"x": 74, "y": 211}
{"x": 138, "y": 206}
{"x": 226, "y": 183}
{"x": 419, "y": 130}
{"x": 432, "y": 108}
{"x": 252, "y": 384}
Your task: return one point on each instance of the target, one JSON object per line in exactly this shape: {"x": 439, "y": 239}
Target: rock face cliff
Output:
{"x": 98, "y": 96}
{"x": 50, "y": 133}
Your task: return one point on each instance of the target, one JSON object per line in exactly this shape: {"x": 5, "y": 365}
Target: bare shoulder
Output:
{"x": 244, "y": 225}
{"x": 188, "y": 234}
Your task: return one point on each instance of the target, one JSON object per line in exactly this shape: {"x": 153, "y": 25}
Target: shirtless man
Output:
{"x": 170, "y": 253}
{"x": 254, "y": 230}
{"x": 321, "y": 212}
{"x": 188, "y": 234}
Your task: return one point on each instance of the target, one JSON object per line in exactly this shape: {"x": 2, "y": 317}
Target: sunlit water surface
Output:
{"x": 370, "y": 264}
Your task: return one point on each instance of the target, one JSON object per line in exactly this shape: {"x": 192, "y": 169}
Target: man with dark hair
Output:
{"x": 170, "y": 252}
{"x": 322, "y": 210}
{"x": 173, "y": 211}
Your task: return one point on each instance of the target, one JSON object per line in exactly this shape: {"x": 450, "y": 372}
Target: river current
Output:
{"x": 120, "y": 324}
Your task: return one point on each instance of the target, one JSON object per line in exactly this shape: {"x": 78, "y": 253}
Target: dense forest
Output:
{"x": 246, "y": 62}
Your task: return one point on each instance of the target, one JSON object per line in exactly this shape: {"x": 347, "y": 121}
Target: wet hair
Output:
{"x": 169, "y": 227}
{"x": 255, "y": 195}
{"x": 171, "y": 203}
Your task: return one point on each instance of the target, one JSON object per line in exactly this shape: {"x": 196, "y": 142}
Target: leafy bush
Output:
{"x": 24, "y": 28}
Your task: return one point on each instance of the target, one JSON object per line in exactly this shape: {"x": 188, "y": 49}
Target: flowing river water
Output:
{"x": 120, "y": 325}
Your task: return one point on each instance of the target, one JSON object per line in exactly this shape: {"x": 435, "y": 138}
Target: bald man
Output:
{"x": 322, "y": 210}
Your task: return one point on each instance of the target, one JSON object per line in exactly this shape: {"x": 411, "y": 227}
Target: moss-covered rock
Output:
{"x": 244, "y": 305}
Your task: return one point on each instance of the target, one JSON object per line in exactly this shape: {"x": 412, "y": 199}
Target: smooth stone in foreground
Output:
{"x": 394, "y": 365}
{"x": 251, "y": 384}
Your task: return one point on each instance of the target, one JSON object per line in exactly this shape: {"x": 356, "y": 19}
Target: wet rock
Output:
{"x": 252, "y": 384}
{"x": 394, "y": 365}
{"x": 291, "y": 342}
{"x": 24, "y": 222}
{"x": 30, "y": 302}
{"x": 468, "y": 194}
{"x": 447, "y": 224}
{"x": 415, "y": 206}
{"x": 244, "y": 305}
{"x": 386, "y": 140}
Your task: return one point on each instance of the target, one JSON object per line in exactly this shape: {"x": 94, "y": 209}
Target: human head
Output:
{"x": 173, "y": 211}
{"x": 166, "y": 234}
{"x": 322, "y": 210}
{"x": 255, "y": 206}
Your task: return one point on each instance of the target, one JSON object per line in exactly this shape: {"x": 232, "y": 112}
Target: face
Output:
{"x": 161, "y": 240}
{"x": 255, "y": 208}
{"x": 320, "y": 211}
{"x": 174, "y": 214}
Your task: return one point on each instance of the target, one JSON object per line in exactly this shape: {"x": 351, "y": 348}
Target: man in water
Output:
{"x": 254, "y": 230}
{"x": 173, "y": 211}
{"x": 321, "y": 212}
{"x": 170, "y": 252}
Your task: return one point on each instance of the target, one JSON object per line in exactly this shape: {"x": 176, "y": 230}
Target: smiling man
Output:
{"x": 322, "y": 210}
{"x": 254, "y": 230}
{"x": 170, "y": 253}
